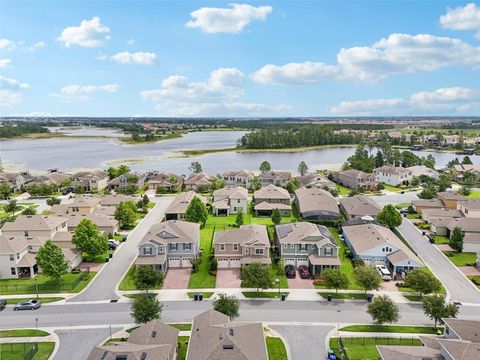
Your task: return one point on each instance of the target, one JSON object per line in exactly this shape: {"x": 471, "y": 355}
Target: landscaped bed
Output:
{"x": 344, "y": 296}
{"x": 276, "y": 348}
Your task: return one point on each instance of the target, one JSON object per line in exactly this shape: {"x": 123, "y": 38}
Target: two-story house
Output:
{"x": 317, "y": 181}
{"x": 122, "y": 182}
{"x": 234, "y": 248}
{"x": 199, "y": 182}
{"x": 177, "y": 208}
{"x": 229, "y": 200}
{"x": 272, "y": 197}
{"x": 356, "y": 179}
{"x": 304, "y": 243}
{"x": 392, "y": 175}
{"x": 170, "y": 244}
{"x": 14, "y": 180}
{"x": 90, "y": 181}
{"x": 166, "y": 181}
{"x": 278, "y": 178}
{"x": 238, "y": 178}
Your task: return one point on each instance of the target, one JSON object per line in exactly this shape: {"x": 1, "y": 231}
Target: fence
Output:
{"x": 24, "y": 351}
{"x": 30, "y": 288}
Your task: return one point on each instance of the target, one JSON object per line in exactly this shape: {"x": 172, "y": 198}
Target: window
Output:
{"x": 303, "y": 247}
{"x": 173, "y": 247}
{"x": 328, "y": 251}
{"x": 292, "y": 246}
{"x": 247, "y": 250}
{"x": 235, "y": 247}
{"x": 12, "y": 257}
{"x": 187, "y": 246}
{"x": 222, "y": 247}
{"x": 258, "y": 251}
{"x": 147, "y": 250}
{"x": 26, "y": 233}
{"x": 13, "y": 271}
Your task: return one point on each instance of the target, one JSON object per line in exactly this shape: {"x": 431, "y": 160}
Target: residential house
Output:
{"x": 177, "y": 208}
{"x": 91, "y": 181}
{"x": 429, "y": 214}
{"x": 423, "y": 204}
{"x": 167, "y": 181}
{"x": 358, "y": 206}
{"x": 356, "y": 179}
{"x": 450, "y": 199}
{"x": 53, "y": 176}
{"x": 115, "y": 200}
{"x": 199, "y": 182}
{"x": 460, "y": 341}
{"x": 422, "y": 170}
{"x": 278, "y": 178}
{"x": 170, "y": 244}
{"x": 378, "y": 245}
{"x": 459, "y": 170}
{"x": 470, "y": 207}
{"x": 214, "y": 336}
{"x": 16, "y": 181}
{"x": 272, "y": 197}
{"x": 239, "y": 178}
{"x": 304, "y": 243}
{"x": 45, "y": 226}
{"x": 393, "y": 176}
{"x": 122, "y": 182}
{"x": 229, "y": 200}
{"x": 316, "y": 204}
{"x": 243, "y": 246}
{"x": 317, "y": 181}
{"x": 469, "y": 226}
{"x": 154, "y": 340}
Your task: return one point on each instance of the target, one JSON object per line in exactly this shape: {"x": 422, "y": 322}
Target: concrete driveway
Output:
{"x": 176, "y": 279}
{"x": 228, "y": 278}
{"x": 104, "y": 284}
{"x": 459, "y": 287}
{"x": 304, "y": 341}
{"x": 299, "y": 283}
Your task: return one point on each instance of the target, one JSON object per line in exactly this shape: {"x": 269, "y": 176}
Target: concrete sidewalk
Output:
{"x": 27, "y": 339}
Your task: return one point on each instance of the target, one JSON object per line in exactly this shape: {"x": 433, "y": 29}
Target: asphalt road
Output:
{"x": 104, "y": 284}
{"x": 395, "y": 198}
{"x": 77, "y": 344}
{"x": 459, "y": 287}
{"x": 304, "y": 342}
{"x": 293, "y": 312}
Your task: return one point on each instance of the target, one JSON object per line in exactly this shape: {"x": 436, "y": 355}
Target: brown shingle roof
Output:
{"x": 180, "y": 204}
{"x": 172, "y": 231}
{"x": 34, "y": 223}
{"x": 304, "y": 232}
{"x": 360, "y": 205}
{"x": 253, "y": 234}
{"x": 12, "y": 244}
{"x": 155, "y": 333}
{"x": 465, "y": 329}
{"x": 271, "y": 192}
{"x": 314, "y": 199}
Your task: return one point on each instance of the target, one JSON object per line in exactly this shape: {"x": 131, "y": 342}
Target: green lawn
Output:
{"x": 45, "y": 284}
{"x": 206, "y": 295}
{"x": 263, "y": 294}
{"x": 17, "y": 351}
{"x": 128, "y": 281}
{"x": 182, "y": 327}
{"x": 475, "y": 194}
{"x": 343, "y": 295}
{"x": 276, "y": 348}
{"x": 22, "y": 333}
{"x": 202, "y": 278}
{"x": 413, "y": 297}
{"x": 99, "y": 258}
{"x": 342, "y": 190}
{"x": 392, "y": 188}
{"x": 391, "y": 329}
{"x": 414, "y": 216}
{"x": 475, "y": 279}
{"x": 43, "y": 300}
{"x": 366, "y": 348}
{"x": 182, "y": 351}
{"x": 461, "y": 259}
{"x": 439, "y": 239}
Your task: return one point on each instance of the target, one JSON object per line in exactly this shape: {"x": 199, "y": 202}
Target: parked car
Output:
{"x": 112, "y": 244}
{"x": 384, "y": 273}
{"x": 303, "y": 272}
{"x": 3, "y": 304}
{"x": 290, "y": 271}
{"x": 32, "y": 304}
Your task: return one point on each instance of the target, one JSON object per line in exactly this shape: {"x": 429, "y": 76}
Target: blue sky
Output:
{"x": 269, "y": 58}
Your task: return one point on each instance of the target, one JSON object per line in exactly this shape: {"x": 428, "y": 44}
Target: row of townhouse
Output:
{"x": 216, "y": 337}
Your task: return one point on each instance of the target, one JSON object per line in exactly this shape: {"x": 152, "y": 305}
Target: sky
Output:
{"x": 245, "y": 59}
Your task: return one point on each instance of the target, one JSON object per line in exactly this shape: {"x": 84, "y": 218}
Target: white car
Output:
{"x": 384, "y": 273}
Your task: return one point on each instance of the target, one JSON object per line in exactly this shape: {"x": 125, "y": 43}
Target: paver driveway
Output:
{"x": 299, "y": 283}
{"x": 228, "y": 278}
{"x": 176, "y": 279}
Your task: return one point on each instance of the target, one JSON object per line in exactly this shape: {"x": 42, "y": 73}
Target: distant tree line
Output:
{"x": 11, "y": 130}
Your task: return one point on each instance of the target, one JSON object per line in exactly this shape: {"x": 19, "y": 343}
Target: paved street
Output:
{"x": 458, "y": 286}
{"x": 306, "y": 341}
{"x": 395, "y": 198}
{"x": 104, "y": 285}
{"x": 77, "y": 344}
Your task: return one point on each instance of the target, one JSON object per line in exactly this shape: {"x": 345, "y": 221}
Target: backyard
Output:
{"x": 365, "y": 348}
{"x": 19, "y": 350}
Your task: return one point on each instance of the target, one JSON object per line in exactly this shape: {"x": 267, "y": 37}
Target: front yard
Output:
{"x": 128, "y": 281}
{"x": 461, "y": 259}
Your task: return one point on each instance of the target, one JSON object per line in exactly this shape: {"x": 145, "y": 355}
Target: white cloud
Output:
{"x": 90, "y": 33}
{"x": 131, "y": 41}
{"x": 77, "y": 92}
{"x": 227, "y": 20}
{"x": 6, "y": 44}
{"x": 5, "y": 63}
{"x": 396, "y": 54}
{"x": 11, "y": 84}
{"x": 225, "y": 109}
{"x": 223, "y": 83}
{"x": 142, "y": 58}
{"x": 34, "y": 47}
{"x": 295, "y": 73}
{"x": 10, "y": 99}
{"x": 454, "y": 100}
{"x": 462, "y": 18}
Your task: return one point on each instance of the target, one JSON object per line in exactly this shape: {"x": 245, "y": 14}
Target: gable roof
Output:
{"x": 467, "y": 224}
{"x": 155, "y": 333}
{"x": 465, "y": 329}
{"x": 470, "y": 204}
{"x": 34, "y": 223}
{"x": 393, "y": 170}
{"x": 450, "y": 195}
{"x": 165, "y": 178}
{"x": 252, "y": 234}
{"x": 172, "y": 231}
{"x": 241, "y": 173}
{"x": 180, "y": 204}
{"x": 304, "y": 232}
{"x": 360, "y": 205}
{"x": 93, "y": 174}
{"x": 354, "y": 173}
{"x": 315, "y": 179}
{"x": 199, "y": 179}
{"x": 271, "y": 192}
{"x": 12, "y": 244}
{"x": 231, "y": 193}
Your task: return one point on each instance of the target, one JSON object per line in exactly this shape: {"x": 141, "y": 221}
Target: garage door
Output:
{"x": 290, "y": 261}
{"x": 174, "y": 263}
{"x": 186, "y": 262}
{"x": 302, "y": 262}
{"x": 222, "y": 263}
{"x": 235, "y": 263}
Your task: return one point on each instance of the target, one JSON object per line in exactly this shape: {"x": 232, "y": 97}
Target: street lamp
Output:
{"x": 277, "y": 281}
{"x": 36, "y": 323}
{"x": 36, "y": 286}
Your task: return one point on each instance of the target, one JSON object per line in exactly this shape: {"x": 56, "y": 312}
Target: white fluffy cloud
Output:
{"x": 11, "y": 92}
{"x": 226, "y": 109}
{"x": 11, "y": 84}
{"x": 227, "y": 20}
{"x": 396, "y": 54}
{"x": 455, "y": 100}
{"x": 90, "y": 33}
{"x": 223, "y": 83}
{"x": 142, "y": 58}
{"x": 462, "y": 18}
{"x": 5, "y": 63}
{"x": 34, "y": 47}
{"x": 75, "y": 92}
{"x": 6, "y": 44}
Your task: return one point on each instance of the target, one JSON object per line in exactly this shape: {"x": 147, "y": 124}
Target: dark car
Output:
{"x": 290, "y": 271}
{"x": 27, "y": 305}
{"x": 3, "y": 303}
{"x": 304, "y": 272}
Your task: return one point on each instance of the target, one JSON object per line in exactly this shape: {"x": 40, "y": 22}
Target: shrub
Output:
{"x": 358, "y": 262}
{"x": 213, "y": 265}
{"x": 195, "y": 264}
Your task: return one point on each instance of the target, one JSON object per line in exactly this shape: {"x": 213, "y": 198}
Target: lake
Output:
{"x": 70, "y": 154}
